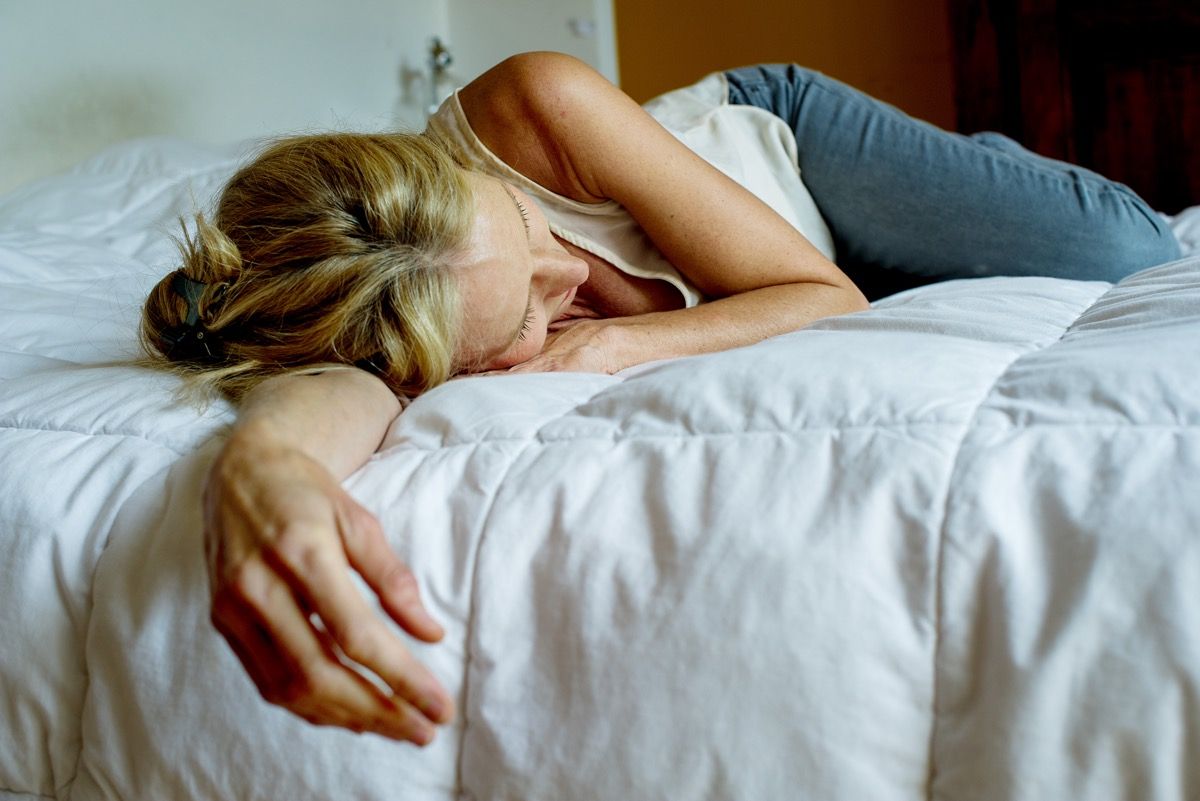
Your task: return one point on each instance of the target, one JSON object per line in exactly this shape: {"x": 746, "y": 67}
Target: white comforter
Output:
{"x": 946, "y": 548}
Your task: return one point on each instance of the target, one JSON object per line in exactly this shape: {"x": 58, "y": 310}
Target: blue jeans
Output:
{"x": 909, "y": 203}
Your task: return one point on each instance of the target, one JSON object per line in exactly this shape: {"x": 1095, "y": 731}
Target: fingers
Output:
{"x": 398, "y": 591}
{"x": 369, "y": 554}
{"x": 542, "y": 363}
{"x": 295, "y": 666}
{"x": 320, "y": 575}
{"x": 280, "y": 542}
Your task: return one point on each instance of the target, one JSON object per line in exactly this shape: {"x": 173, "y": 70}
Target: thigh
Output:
{"x": 910, "y": 203}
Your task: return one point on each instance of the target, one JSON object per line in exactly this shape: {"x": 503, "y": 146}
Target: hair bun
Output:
{"x": 209, "y": 256}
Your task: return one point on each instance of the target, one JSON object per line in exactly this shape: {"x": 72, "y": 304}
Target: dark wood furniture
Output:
{"x": 1113, "y": 85}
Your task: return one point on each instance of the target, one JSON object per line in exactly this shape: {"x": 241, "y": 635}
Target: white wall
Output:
{"x": 77, "y": 75}
{"x": 484, "y": 32}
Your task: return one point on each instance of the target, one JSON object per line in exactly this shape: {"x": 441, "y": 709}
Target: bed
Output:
{"x": 947, "y": 548}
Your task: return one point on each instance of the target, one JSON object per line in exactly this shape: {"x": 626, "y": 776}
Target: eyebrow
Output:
{"x": 528, "y": 298}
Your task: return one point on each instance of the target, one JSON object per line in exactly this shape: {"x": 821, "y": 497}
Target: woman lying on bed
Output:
{"x": 343, "y": 271}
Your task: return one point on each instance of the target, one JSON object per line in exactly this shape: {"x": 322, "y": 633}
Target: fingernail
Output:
{"x": 423, "y": 735}
{"x": 434, "y": 709}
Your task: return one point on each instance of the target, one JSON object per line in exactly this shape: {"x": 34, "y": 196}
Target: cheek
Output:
{"x": 529, "y": 347}
{"x": 521, "y": 352}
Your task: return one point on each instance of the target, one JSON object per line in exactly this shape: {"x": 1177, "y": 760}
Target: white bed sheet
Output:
{"x": 946, "y": 548}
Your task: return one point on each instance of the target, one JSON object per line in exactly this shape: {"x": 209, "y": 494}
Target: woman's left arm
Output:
{"x": 563, "y": 125}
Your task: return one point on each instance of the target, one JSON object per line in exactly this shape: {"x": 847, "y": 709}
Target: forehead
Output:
{"x": 493, "y": 272}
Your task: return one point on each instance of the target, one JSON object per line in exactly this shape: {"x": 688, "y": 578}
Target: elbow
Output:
{"x": 852, "y": 298}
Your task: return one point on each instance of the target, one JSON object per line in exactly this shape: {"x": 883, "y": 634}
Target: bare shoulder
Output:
{"x": 543, "y": 114}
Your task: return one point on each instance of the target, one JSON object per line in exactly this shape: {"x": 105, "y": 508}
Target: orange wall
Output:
{"x": 897, "y": 50}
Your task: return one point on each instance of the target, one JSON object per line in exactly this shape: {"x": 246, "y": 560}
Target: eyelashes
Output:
{"x": 520, "y": 207}
{"x": 530, "y": 315}
{"x": 524, "y": 213}
{"x": 527, "y": 326}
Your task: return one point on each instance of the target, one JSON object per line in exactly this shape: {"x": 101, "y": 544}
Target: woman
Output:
{"x": 343, "y": 272}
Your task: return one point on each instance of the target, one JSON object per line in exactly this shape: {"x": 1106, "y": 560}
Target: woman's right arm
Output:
{"x": 281, "y": 537}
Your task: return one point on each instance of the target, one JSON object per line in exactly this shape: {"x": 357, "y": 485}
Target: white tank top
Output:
{"x": 750, "y": 145}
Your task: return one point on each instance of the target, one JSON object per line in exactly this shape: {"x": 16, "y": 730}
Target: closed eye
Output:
{"x": 520, "y": 207}
{"x": 527, "y": 326}
{"x": 524, "y": 214}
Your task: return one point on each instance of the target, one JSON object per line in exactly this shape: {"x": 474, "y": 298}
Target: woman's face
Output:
{"x": 514, "y": 276}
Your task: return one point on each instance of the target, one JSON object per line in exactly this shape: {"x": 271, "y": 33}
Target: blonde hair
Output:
{"x": 326, "y": 248}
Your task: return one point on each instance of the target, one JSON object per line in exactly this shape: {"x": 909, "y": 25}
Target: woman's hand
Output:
{"x": 578, "y": 345}
{"x": 280, "y": 535}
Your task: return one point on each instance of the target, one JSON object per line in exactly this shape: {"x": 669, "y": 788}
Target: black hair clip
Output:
{"x": 191, "y": 341}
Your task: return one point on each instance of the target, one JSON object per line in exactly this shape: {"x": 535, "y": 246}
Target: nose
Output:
{"x": 561, "y": 272}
